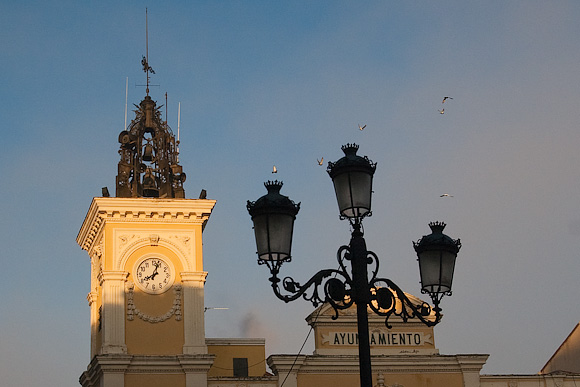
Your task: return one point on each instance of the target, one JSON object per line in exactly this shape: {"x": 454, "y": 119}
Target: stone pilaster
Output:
{"x": 113, "y": 312}
{"x": 471, "y": 366}
{"x": 193, "y": 312}
{"x": 287, "y": 368}
{"x": 94, "y": 318}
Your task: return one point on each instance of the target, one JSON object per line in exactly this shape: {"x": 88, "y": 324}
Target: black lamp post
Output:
{"x": 273, "y": 216}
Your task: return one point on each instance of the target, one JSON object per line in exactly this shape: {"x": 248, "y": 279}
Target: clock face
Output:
{"x": 154, "y": 275}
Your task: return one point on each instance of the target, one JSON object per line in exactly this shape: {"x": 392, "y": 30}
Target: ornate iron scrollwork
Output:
{"x": 336, "y": 287}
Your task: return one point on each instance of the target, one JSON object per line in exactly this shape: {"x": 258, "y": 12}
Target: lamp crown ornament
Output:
{"x": 349, "y": 148}
{"x": 437, "y": 240}
{"x": 351, "y": 160}
{"x": 273, "y": 186}
{"x": 437, "y": 227}
{"x": 273, "y": 201}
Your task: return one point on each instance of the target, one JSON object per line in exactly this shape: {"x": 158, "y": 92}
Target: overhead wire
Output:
{"x": 302, "y": 347}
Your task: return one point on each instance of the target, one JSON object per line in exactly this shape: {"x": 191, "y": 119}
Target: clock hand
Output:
{"x": 154, "y": 273}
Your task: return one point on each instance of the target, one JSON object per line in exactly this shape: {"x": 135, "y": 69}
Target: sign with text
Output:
{"x": 380, "y": 338}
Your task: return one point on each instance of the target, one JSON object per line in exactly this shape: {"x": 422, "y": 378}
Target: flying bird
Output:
{"x": 361, "y": 127}
{"x": 320, "y": 161}
{"x": 274, "y": 170}
{"x": 446, "y": 195}
{"x": 442, "y": 111}
{"x": 445, "y": 98}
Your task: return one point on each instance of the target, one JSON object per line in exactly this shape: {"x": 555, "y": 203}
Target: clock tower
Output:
{"x": 146, "y": 294}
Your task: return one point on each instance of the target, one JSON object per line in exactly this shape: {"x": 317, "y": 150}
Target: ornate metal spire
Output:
{"x": 149, "y": 164}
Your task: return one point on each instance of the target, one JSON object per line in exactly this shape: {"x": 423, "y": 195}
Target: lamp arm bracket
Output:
{"x": 310, "y": 291}
{"x": 394, "y": 301}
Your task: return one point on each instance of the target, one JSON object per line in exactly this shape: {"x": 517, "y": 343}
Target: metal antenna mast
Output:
{"x": 178, "y": 122}
{"x": 126, "y": 95}
{"x": 145, "y": 60}
{"x": 147, "y": 49}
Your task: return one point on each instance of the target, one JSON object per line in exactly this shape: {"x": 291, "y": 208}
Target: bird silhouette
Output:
{"x": 445, "y": 98}
{"x": 274, "y": 169}
{"x": 361, "y": 127}
{"x": 320, "y": 161}
{"x": 446, "y": 195}
{"x": 442, "y": 111}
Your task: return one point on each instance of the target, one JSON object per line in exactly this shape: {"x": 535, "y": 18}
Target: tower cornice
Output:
{"x": 146, "y": 210}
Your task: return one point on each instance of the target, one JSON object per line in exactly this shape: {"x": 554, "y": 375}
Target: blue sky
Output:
{"x": 263, "y": 83}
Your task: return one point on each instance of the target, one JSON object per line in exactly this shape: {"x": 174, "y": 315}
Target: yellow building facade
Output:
{"x": 147, "y": 283}
{"x": 403, "y": 355}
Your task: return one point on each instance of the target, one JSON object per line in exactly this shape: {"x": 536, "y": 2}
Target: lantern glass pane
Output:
{"x": 447, "y": 268}
{"x": 361, "y": 185}
{"x": 436, "y": 269}
{"x": 342, "y": 190}
{"x": 261, "y": 234}
{"x": 273, "y": 235}
{"x": 353, "y": 193}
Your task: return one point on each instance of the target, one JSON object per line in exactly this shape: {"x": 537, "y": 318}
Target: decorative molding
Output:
{"x": 380, "y": 380}
{"x": 92, "y": 297}
{"x": 184, "y": 240}
{"x": 89, "y": 232}
{"x": 97, "y": 251}
{"x": 130, "y": 241}
{"x": 141, "y": 210}
{"x": 111, "y": 275}
{"x": 133, "y": 311}
{"x": 198, "y": 277}
{"x": 154, "y": 239}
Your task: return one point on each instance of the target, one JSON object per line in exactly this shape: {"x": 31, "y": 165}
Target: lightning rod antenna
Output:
{"x": 147, "y": 49}
{"x": 126, "y": 95}
{"x": 178, "y": 123}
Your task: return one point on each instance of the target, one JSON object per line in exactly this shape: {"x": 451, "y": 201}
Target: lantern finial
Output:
{"x": 437, "y": 227}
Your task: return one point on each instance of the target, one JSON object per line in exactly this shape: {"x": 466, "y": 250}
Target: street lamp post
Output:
{"x": 273, "y": 216}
